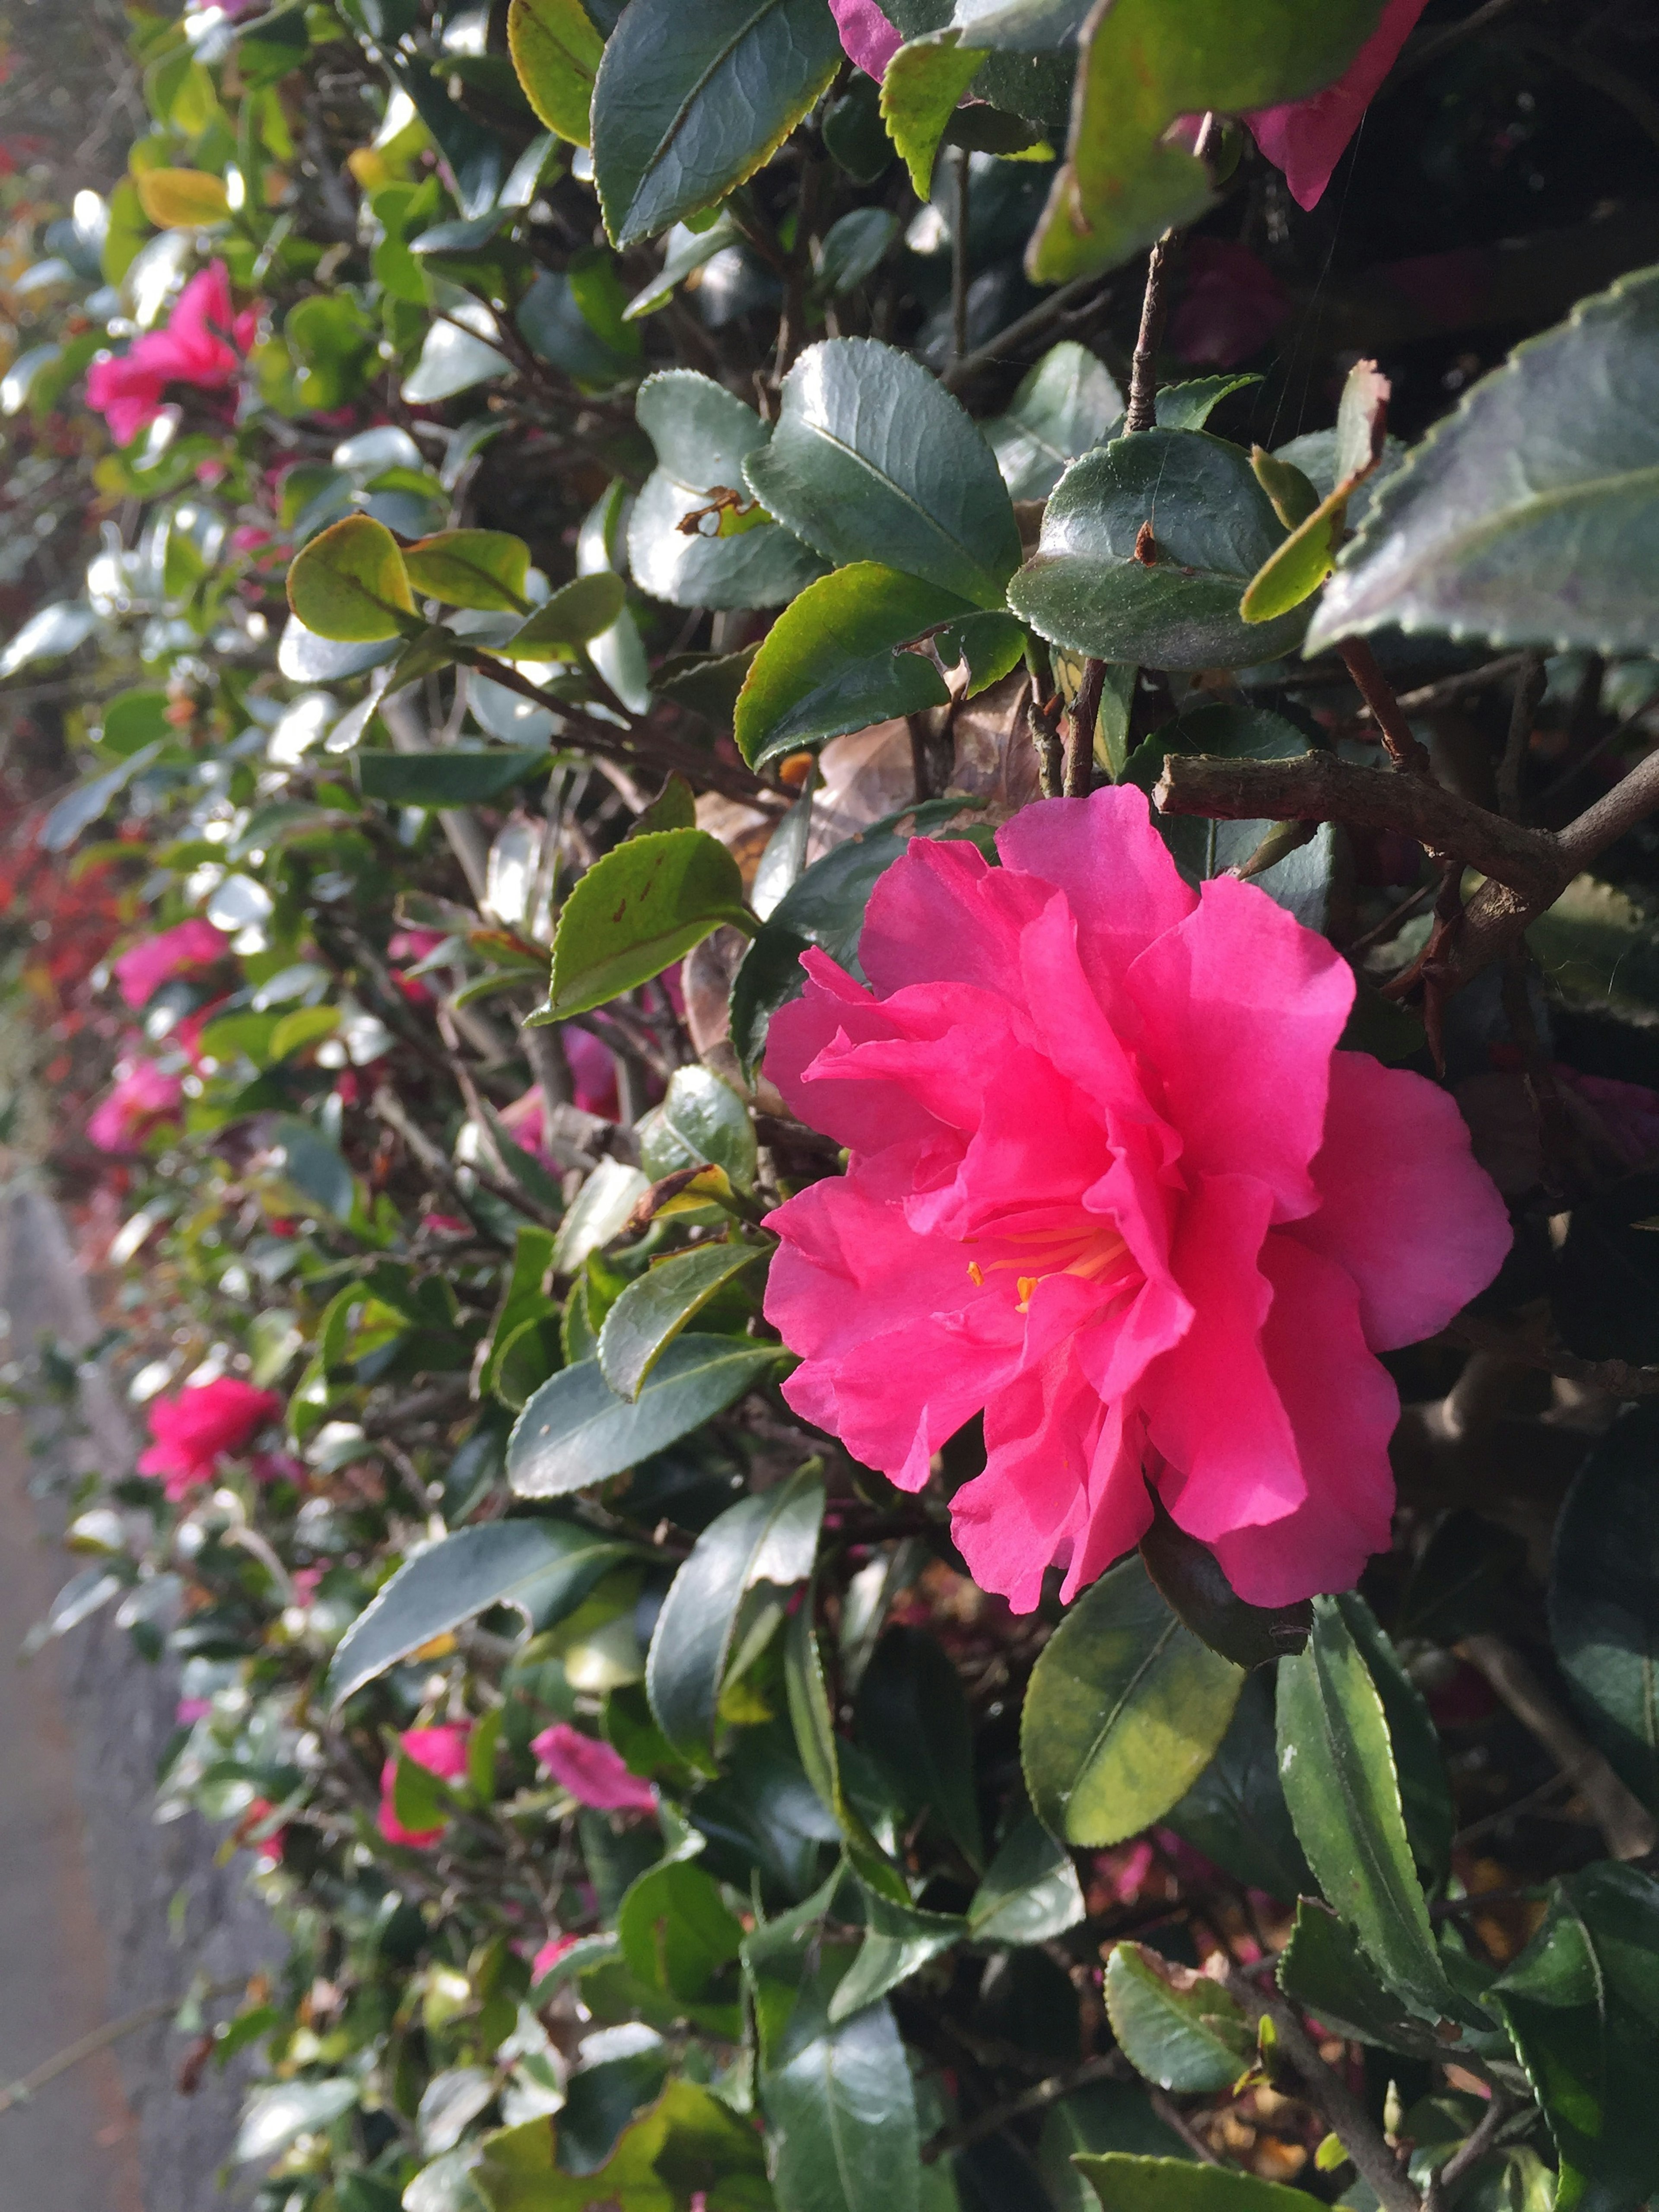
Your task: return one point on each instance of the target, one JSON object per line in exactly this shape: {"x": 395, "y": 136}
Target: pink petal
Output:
{"x": 944, "y": 915}
{"x": 866, "y": 36}
{"x": 593, "y": 1772}
{"x": 1403, "y": 1207}
{"x": 1030, "y": 1504}
{"x": 1306, "y": 137}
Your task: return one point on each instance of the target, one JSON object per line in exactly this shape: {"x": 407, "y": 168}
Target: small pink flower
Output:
{"x": 202, "y": 345}
{"x": 443, "y": 1752}
{"x": 206, "y": 1422}
{"x": 868, "y": 39}
{"x": 592, "y": 1771}
{"x": 445, "y": 1225}
{"x": 270, "y": 1847}
{"x": 135, "y": 1103}
{"x": 189, "y": 1710}
{"x": 306, "y": 1580}
{"x": 1112, "y": 1184}
{"x": 144, "y": 968}
{"x": 1306, "y": 138}
{"x": 549, "y": 1956}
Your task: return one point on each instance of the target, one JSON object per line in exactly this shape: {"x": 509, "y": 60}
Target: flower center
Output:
{"x": 1090, "y": 1249}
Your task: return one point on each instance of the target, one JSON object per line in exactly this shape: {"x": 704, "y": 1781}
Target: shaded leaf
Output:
{"x": 1171, "y": 2184}
{"x": 1323, "y": 1969}
{"x": 1178, "y": 2028}
{"x": 1063, "y": 406}
{"x": 1193, "y": 1583}
{"x": 1030, "y": 1892}
{"x": 450, "y": 778}
{"x": 1604, "y": 1598}
{"x": 912, "y": 1717}
{"x": 575, "y": 1431}
{"x": 575, "y": 615}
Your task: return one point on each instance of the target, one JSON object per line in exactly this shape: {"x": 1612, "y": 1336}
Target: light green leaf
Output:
{"x": 871, "y": 459}
{"x": 1172, "y": 2185}
{"x": 483, "y": 568}
{"x": 920, "y": 90}
{"x": 1125, "y": 1708}
{"x": 690, "y": 102}
{"x": 544, "y": 1568}
{"x": 899, "y": 1941}
{"x": 1531, "y": 514}
{"x": 348, "y": 584}
{"x": 654, "y": 1309}
{"x": 576, "y": 614}
{"x": 555, "y": 51}
{"x": 641, "y": 907}
{"x": 576, "y": 1431}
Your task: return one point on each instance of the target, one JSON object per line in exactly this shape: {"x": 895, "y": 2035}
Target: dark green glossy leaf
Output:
{"x": 1212, "y": 526}
{"x": 824, "y": 1756}
{"x": 303, "y": 1156}
{"x": 840, "y": 2109}
{"x": 1190, "y": 406}
{"x": 641, "y": 907}
{"x": 1170, "y": 2185}
{"x": 576, "y": 614}
{"x": 1102, "y": 2116}
{"x": 676, "y": 1934}
{"x": 1125, "y": 1708}
{"x": 1176, "y": 2025}
{"x": 1236, "y": 1813}
{"x": 575, "y": 1431}
{"x": 1604, "y": 1597}
{"x": 1323, "y": 1969}
{"x": 451, "y": 778}
{"x": 702, "y": 1122}
{"x": 871, "y": 459}
{"x": 654, "y": 1309}
{"x": 1424, "y": 1795}
{"x": 769, "y": 1538}
{"x": 899, "y": 1941}
{"x": 1063, "y": 406}
{"x": 1030, "y": 1892}
{"x": 1344, "y": 1796}
{"x": 702, "y": 435}
{"x": 912, "y": 1717}
{"x": 544, "y": 1568}
{"x": 1561, "y": 549}
{"x": 687, "y": 104}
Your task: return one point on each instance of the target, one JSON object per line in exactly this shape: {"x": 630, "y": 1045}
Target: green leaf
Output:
{"x": 1323, "y": 1969}
{"x": 274, "y": 2118}
{"x": 450, "y": 778}
{"x": 912, "y": 1719}
{"x": 1172, "y": 2185}
{"x": 638, "y": 909}
{"x": 544, "y": 1568}
{"x": 1190, "y": 406}
{"x": 654, "y": 1309}
{"x": 555, "y": 51}
{"x": 576, "y": 1431}
{"x": 1177, "y": 605}
{"x": 821, "y": 1755}
{"x": 825, "y": 907}
{"x": 1063, "y": 407}
{"x": 316, "y": 1169}
{"x": 1604, "y": 1598}
{"x": 348, "y": 584}
{"x": 79, "y": 808}
{"x": 1030, "y": 1892}
{"x": 770, "y": 1538}
{"x": 576, "y": 614}
{"x": 1102, "y": 2116}
{"x": 1294, "y": 498}
{"x": 702, "y": 435}
{"x": 676, "y": 1935}
{"x": 1176, "y": 2025}
{"x": 1424, "y": 1795}
{"x": 833, "y": 661}
{"x": 1340, "y": 1784}
{"x": 840, "y": 2109}
{"x": 1192, "y": 1581}
{"x": 689, "y": 103}
{"x": 1143, "y": 63}
{"x": 702, "y": 1122}
{"x": 899, "y": 1941}
{"x": 854, "y": 249}
{"x": 599, "y": 1212}
{"x": 1295, "y": 572}
{"x": 1579, "y": 2003}
{"x": 920, "y": 91}
{"x": 1236, "y": 1813}
{"x": 455, "y": 355}
{"x": 871, "y": 459}
{"x": 483, "y": 568}
{"x": 1125, "y": 1708}
{"x": 1463, "y": 539}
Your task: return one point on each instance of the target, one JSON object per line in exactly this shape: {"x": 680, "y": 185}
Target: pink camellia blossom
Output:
{"x": 549, "y": 1956}
{"x": 206, "y": 1422}
{"x": 868, "y": 40}
{"x": 592, "y": 1771}
{"x": 1306, "y": 138}
{"x": 140, "y": 1097}
{"x": 443, "y": 1752}
{"x": 1112, "y": 1184}
{"x": 202, "y": 344}
{"x": 185, "y": 950}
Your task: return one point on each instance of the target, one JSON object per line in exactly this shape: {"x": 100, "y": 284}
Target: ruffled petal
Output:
{"x": 1031, "y": 1504}
{"x": 1103, "y": 853}
{"x": 942, "y": 914}
{"x": 1403, "y": 1206}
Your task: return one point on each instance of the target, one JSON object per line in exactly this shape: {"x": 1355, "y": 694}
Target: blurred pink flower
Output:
{"x": 592, "y": 1771}
{"x": 138, "y": 1099}
{"x": 443, "y": 1752}
{"x": 549, "y": 1956}
{"x": 1112, "y": 1184}
{"x": 189, "y": 1710}
{"x": 1306, "y": 138}
{"x": 206, "y": 1422}
{"x": 1629, "y": 1112}
{"x": 143, "y": 969}
{"x": 1231, "y": 306}
{"x": 867, "y": 37}
{"x": 202, "y": 345}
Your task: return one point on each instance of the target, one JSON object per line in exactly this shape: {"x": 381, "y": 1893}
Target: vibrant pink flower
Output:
{"x": 867, "y": 37}
{"x": 202, "y": 345}
{"x": 1112, "y": 1184}
{"x": 184, "y": 951}
{"x": 443, "y": 1752}
{"x": 592, "y": 1771}
{"x": 138, "y": 1099}
{"x": 270, "y": 1847}
{"x": 206, "y": 1422}
{"x": 1231, "y": 306}
{"x": 1306, "y": 137}
{"x": 549, "y": 1956}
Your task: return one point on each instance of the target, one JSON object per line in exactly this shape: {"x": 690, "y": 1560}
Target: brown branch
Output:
{"x": 1085, "y": 713}
{"x": 1613, "y": 1378}
{"x": 1142, "y": 413}
{"x": 1404, "y": 749}
{"x": 1528, "y": 693}
{"x": 1057, "y": 307}
{"x": 1469, "y": 2152}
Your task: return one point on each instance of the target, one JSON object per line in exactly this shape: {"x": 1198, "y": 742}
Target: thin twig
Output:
{"x": 1032, "y": 324}
{"x": 1404, "y": 748}
{"x": 87, "y": 2046}
{"x": 1036, "y": 2099}
{"x": 1468, "y": 2153}
{"x": 1528, "y": 692}
{"x": 1142, "y": 412}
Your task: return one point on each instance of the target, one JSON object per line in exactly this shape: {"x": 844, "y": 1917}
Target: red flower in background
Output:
{"x": 135, "y": 1103}
{"x": 185, "y": 950}
{"x": 202, "y": 345}
{"x": 443, "y": 1752}
{"x": 206, "y": 1422}
{"x": 1232, "y": 304}
{"x": 593, "y": 1772}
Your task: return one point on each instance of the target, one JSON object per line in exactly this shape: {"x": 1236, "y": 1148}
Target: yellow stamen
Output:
{"x": 1027, "y": 1285}
{"x": 976, "y": 1274}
